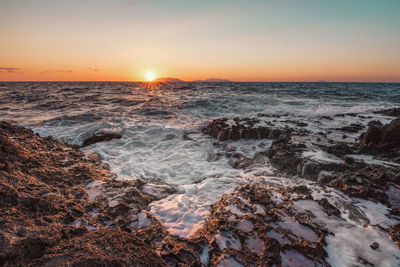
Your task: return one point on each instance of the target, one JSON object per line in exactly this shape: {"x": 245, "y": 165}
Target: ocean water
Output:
{"x": 162, "y": 143}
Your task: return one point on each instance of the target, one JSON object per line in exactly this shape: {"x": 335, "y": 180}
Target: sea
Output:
{"x": 162, "y": 141}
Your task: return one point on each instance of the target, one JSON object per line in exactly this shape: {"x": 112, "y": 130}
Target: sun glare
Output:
{"x": 150, "y": 76}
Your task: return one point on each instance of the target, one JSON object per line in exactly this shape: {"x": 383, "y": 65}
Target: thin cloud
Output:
{"x": 52, "y": 71}
{"x": 69, "y": 71}
{"x": 11, "y": 70}
{"x": 93, "y": 69}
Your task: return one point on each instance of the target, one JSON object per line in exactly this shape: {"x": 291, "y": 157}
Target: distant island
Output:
{"x": 175, "y": 80}
{"x": 213, "y": 80}
{"x": 169, "y": 80}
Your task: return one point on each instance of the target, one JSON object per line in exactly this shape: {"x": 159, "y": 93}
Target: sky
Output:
{"x": 121, "y": 40}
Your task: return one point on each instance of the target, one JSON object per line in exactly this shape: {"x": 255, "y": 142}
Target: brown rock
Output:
{"x": 383, "y": 138}
{"x": 393, "y": 112}
{"x": 100, "y": 137}
{"x": 244, "y": 128}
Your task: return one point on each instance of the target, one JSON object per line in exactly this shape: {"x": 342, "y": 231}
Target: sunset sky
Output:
{"x": 121, "y": 40}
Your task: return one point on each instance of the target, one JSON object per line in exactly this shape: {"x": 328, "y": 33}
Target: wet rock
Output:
{"x": 328, "y": 207}
{"x": 374, "y": 245}
{"x": 393, "y": 112}
{"x": 394, "y": 234}
{"x": 286, "y": 156}
{"x": 352, "y": 128}
{"x": 384, "y": 138}
{"x": 367, "y": 182}
{"x": 53, "y": 197}
{"x": 251, "y": 228}
{"x": 375, "y": 123}
{"x": 241, "y": 128}
{"x": 111, "y": 247}
{"x": 338, "y": 150}
{"x": 310, "y": 170}
{"x": 100, "y": 137}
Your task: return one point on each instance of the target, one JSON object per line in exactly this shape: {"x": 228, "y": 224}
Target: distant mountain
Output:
{"x": 168, "y": 80}
{"x": 213, "y": 80}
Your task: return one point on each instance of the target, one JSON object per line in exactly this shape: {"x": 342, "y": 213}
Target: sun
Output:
{"x": 150, "y": 76}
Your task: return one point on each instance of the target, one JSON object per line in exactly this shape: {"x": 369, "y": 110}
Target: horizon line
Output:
{"x": 322, "y": 81}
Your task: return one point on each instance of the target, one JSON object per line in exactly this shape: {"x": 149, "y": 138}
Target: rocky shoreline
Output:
{"x": 63, "y": 206}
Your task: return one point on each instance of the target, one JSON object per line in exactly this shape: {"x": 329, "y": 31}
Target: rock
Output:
{"x": 374, "y": 245}
{"x": 102, "y": 248}
{"x": 309, "y": 170}
{"x": 328, "y": 207}
{"x": 100, "y": 137}
{"x": 382, "y": 138}
{"x": 352, "y": 128}
{"x": 375, "y": 123}
{"x": 394, "y": 234}
{"x": 338, "y": 150}
{"x": 286, "y": 156}
{"x": 392, "y": 112}
{"x": 243, "y": 128}
{"x": 46, "y": 214}
{"x": 244, "y": 228}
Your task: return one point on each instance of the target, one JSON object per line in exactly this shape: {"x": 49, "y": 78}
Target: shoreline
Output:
{"x": 62, "y": 205}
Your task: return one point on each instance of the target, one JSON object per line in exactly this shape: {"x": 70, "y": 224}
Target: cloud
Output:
{"x": 69, "y": 71}
{"x": 51, "y": 71}
{"x": 94, "y": 69}
{"x": 11, "y": 70}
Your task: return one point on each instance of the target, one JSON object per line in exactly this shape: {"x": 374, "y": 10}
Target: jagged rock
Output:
{"x": 338, "y": 150}
{"x": 393, "y": 112}
{"x": 244, "y": 228}
{"x": 244, "y": 128}
{"x": 394, "y": 234}
{"x": 352, "y": 128}
{"x": 46, "y": 210}
{"x": 375, "y": 123}
{"x": 285, "y": 156}
{"x": 382, "y": 138}
{"x": 111, "y": 247}
{"x": 100, "y": 137}
{"x": 374, "y": 245}
{"x": 328, "y": 207}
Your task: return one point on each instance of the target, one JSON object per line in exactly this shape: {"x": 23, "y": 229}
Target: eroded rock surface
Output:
{"x": 382, "y": 139}
{"x": 49, "y": 216}
{"x": 393, "y": 112}
{"x": 100, "y": 137}
{"x": 242, "y": 128}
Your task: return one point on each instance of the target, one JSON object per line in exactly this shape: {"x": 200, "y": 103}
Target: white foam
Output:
{"x": 321, "y": 156}
{"x": 351, "y": 239}
{"x": 369, "y": 159}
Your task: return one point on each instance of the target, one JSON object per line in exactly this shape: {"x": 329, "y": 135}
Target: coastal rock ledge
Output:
{"x": 42, "y": 194}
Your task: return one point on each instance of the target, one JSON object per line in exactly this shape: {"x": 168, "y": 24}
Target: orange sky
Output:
{"x": 262, "y": 41}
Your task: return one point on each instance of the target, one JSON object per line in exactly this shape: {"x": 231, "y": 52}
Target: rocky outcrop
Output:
{"x": 249, "y": 228}
{"x": 100, "y": 137}
{"x": 352, "y": 128}
{"x": 242, "y": 128}
{"x": 287, "y": 156}
{"x": 393, "y": 112}
{"x": 51, "y": 212}
{"x": 382, "y": 137}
